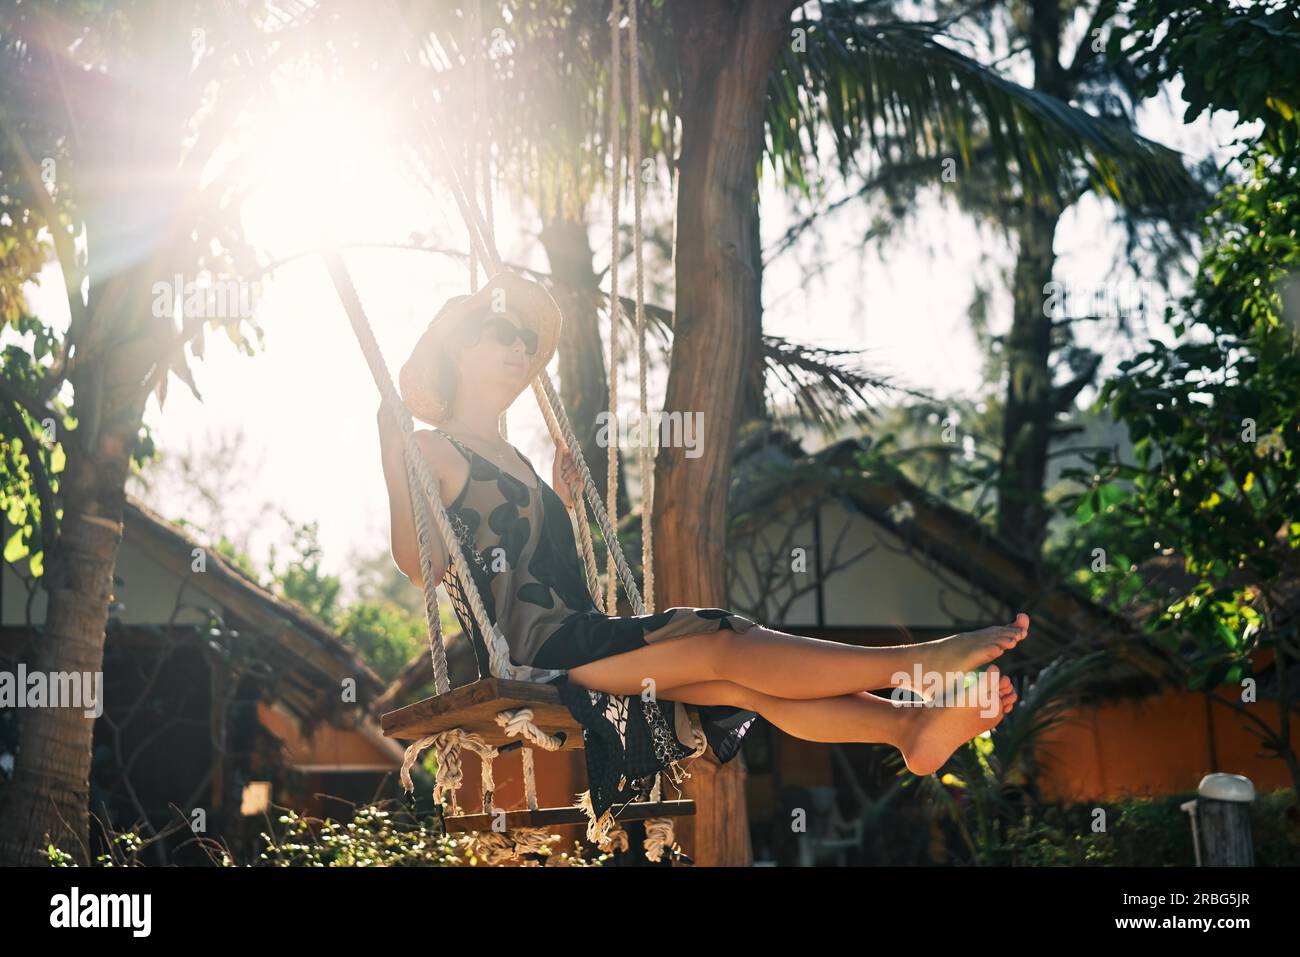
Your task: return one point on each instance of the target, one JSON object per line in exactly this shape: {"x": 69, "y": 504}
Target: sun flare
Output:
{"x": 326, "y": 167}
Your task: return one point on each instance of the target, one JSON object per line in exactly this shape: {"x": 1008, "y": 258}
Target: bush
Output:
{"x": 373, "y": 838}
{"x": 1142, "y": 832}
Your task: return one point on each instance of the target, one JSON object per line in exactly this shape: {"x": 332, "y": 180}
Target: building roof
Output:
{"x": 1065, "y": 620}
{"x": 310, "y": 659}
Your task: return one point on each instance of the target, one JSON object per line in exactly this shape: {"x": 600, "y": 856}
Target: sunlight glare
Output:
{"x": 327, "y": 165}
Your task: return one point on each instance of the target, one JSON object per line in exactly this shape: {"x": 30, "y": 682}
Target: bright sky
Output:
{"x": 308, "y": 403}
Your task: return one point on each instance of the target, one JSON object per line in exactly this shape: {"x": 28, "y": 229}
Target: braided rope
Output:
{"x": 548, "y": 398}
{"x": 409, "y": 758}
{"x": 616, "y": 839}
{"x": 450, "y": 774}
{"x": 500, "y": 847}
{"x": 588, "y": 551}
{"x": 491, "y": 847}
{"x": 473, "y": 43}
{"x": 659, "y": 834}
{"x": 584, "y": 527}
{"x": 644, "y": 455}
{"x": 488, "y": 784}
{"x": 659, "y": 837}
{"x": 520, "y": 723}
{"x": 483, "y": 244}
{"x": 615, "y": 255}
{"x": 420, "y": 477}
{"x": 532, "y": 840}
{"x": 480, "y": 154}
{"x": 544, "y": 389}
{"x": 530, "y": 780}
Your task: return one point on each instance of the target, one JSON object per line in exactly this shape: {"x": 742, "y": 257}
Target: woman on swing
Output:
{"x": 625, "y": 678}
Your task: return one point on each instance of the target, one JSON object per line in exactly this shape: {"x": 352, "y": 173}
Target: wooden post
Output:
{"x": 1221, "y": 821}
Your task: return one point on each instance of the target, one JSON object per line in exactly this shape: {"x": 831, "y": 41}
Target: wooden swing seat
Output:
{"x": 474, "y": 708}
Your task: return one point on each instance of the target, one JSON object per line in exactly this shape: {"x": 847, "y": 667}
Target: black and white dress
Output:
{"x": 519, "y": 541}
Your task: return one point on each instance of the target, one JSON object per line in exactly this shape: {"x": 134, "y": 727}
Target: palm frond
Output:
{"x": 899, "y": 89}
{"x": 826, "y": 390}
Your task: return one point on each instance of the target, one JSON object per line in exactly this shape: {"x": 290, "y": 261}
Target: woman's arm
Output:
{"x": 401, "y": 508}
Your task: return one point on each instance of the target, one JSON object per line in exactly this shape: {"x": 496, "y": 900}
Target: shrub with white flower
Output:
{"x": 1271, "y": 444}
{"x": 901, "y": 512}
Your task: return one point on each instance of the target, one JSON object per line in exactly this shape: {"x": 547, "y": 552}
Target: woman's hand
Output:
{"x": 564, "y": 472}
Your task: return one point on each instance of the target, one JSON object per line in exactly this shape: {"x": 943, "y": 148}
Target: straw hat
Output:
{"x": 506, "y": 293}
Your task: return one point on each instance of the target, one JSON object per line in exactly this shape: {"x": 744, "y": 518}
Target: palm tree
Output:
{"x": 1157, "y": 201}
{"x": 90, "y": 108}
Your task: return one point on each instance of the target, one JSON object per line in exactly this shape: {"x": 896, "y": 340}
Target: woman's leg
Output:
{"x": 792, "y": 666}
{"x": 926, "y": 736}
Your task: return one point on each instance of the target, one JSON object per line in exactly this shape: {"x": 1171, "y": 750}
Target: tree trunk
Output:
{"x": 1031, "y": 404}
{"x": 583, "y": 385}
{"x": 728, "y": 51}
{"x": 49, "y": 797}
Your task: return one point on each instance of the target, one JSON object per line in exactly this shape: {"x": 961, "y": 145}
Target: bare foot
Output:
{"x": 948, "y": 657}
{"x": 964, "y": 711}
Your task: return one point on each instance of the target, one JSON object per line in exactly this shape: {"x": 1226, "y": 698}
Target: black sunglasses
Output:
{"x": 503, "y": 331}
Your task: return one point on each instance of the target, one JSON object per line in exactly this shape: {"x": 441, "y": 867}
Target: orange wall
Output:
{"x": 560, "y": 775}
{"x": 1153, "y": 746}
{"x": 329, "y": 745}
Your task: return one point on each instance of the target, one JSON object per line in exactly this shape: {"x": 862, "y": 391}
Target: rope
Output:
{"x": 584, "y": 527}
{"x": 530, "y": 780}
{"x": 473, "y": 31}
{"x": 491, "y": 847}
{"x": 450, "y": 775}
{"x": 646, "y": 452}
{"x": 615, "y": 254}
{"x": 588, "y": 552}
{"x": 419, "y": 477}
{"x": 542, "y": 386}
{"x": 544, "y": 389}
{"x": 615, "y": 839}
{"x": 532, "y": 840}
{"x": 659, "y": 837}
{"x": 547, "y": 398}
{"x": 520, "y": 722}
{"x": 644, "y": 455}
{"x": 409, "y": 758}
{"x": 480, "y": 151}
{"x": 489, "y": 784}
